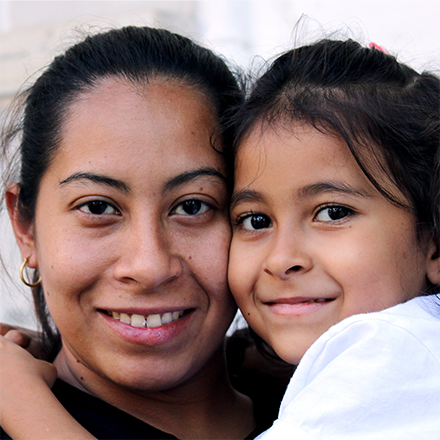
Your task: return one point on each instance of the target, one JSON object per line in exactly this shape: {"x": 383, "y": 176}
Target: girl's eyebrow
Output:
{"x": 247, "y": 195}
{"x": 331, "y": 187}
{"x": 98, "y": 178}
{"x": 191, "y": 175}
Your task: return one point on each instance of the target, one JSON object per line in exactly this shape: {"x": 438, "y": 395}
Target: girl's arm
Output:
{"x": 28, "y": 408}
{"x": 370, "y": 377}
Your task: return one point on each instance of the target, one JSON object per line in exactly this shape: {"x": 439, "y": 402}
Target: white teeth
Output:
{"x": 137, "y": 321}
{"x": 125, "y": 318}
{"x": 150, "y": 321}
{"x": 167, "y": 318}
{"x": 154, "y": 321}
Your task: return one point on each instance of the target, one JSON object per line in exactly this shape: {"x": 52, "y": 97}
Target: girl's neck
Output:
{"x": 205, "y": 406}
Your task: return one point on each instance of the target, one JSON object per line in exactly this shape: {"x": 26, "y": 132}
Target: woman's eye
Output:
{"x": 98, "y": 207}
{"x": 255, "y": 222}
{"x": 333, "y": 214}
{"x": 191, "y": 207}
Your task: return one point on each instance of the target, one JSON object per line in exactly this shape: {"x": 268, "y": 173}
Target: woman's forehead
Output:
{"x": 169, "y": 127}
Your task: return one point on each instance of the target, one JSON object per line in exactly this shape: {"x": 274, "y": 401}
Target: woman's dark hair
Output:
{"x": 386, "y": 112}
{"x": 134, "y": 54}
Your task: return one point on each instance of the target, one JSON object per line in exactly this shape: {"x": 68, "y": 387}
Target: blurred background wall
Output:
{"x": 246, "y": 32}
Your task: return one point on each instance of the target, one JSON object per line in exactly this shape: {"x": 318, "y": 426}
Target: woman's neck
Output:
{"x": 204, "y": 406}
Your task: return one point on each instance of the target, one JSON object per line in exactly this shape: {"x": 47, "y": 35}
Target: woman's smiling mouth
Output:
{"x": 149, "y": 321}
{"x": 154, "y": 329}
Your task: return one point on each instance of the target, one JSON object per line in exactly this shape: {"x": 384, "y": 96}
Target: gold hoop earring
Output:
{"x": 23, "y": 265}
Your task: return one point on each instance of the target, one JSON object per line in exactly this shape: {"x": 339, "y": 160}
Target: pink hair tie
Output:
{"x": 377, "y": 47}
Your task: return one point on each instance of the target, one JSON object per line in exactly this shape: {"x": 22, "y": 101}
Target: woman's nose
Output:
{"x": 288, "y": 254}
{"x": 148, "y": 257}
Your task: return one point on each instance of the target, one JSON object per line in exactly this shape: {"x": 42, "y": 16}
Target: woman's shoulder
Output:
{"x": 257, "y": 373}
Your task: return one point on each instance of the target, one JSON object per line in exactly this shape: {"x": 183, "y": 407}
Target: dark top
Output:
{"x": 262, "y": 378}
{"x": 105, "y": 421}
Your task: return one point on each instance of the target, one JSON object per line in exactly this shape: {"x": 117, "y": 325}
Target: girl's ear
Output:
{"x": 433, "y": 266}
{"x": 23, "y": 230}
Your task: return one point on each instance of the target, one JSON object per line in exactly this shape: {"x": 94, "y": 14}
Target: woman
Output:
{"x": 122, "y": 211}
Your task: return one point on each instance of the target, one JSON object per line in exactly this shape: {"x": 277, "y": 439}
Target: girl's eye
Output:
{"x": 191, "y": 207}
{"x": 333, "y": 214}
{"x": 98, "y": 207}
{"x": 255, "y": 222}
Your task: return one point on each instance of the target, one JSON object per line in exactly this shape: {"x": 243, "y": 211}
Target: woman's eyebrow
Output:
{"x": 191, "y": 175}
{"x": 98, "y": 178}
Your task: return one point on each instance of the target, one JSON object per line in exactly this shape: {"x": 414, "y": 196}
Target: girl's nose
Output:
{"x": 148, "y": 258}
{"x": 288, "y": 255}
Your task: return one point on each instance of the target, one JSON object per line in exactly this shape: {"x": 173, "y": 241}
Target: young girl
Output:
{"x": 336, "y": 213}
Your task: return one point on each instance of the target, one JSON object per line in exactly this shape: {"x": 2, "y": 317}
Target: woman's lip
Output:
{"x": 151, "y": 336}
{"x": 146, "y": 320}
{"x": 145, "y": 312}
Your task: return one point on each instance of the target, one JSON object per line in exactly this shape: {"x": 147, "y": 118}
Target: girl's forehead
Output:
{"x": 265, "y": 141}
{"x": 297, "y": 143}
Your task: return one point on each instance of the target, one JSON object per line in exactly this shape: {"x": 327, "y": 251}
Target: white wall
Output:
{"x": 32, "y": 32}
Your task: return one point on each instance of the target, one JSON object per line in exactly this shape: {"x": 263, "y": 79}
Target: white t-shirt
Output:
{"x": 372, "y": 376}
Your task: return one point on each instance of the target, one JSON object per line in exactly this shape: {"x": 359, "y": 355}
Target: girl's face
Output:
{"x": 313, "y": 241}
{"x": 132, "y": 229}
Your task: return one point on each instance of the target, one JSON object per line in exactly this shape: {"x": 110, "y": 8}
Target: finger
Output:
{"x": 35, "y": 348}
{"x": 49, "y": 372}
{"x": 18, "y": 338}
{"x": 4, "y": 328}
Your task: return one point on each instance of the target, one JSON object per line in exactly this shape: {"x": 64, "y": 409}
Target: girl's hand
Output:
{"x": 18, "y": 366}
{"x": 20, "y": 374}
{"x": 28, "y": 408}
{"x": 29, "y": 339}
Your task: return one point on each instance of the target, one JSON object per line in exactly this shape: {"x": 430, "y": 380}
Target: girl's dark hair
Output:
{"x": 134, "y": 54}
{"x": 386, "y": 112}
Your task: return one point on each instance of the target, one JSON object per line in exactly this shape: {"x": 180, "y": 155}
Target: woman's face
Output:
{"x": 132, "y": 234}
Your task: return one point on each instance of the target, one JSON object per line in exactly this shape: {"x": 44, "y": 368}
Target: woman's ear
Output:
{"x": 23, "y": 229}
{"x": 433, "y": 264}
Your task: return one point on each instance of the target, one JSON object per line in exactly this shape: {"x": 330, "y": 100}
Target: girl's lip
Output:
{"x": 297, "y": 305}
{"x": 154, "y": 335}
{"x": 299, "y": 300}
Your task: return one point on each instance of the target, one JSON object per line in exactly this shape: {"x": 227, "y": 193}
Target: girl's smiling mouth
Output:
{"x": 297, "y": 305}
